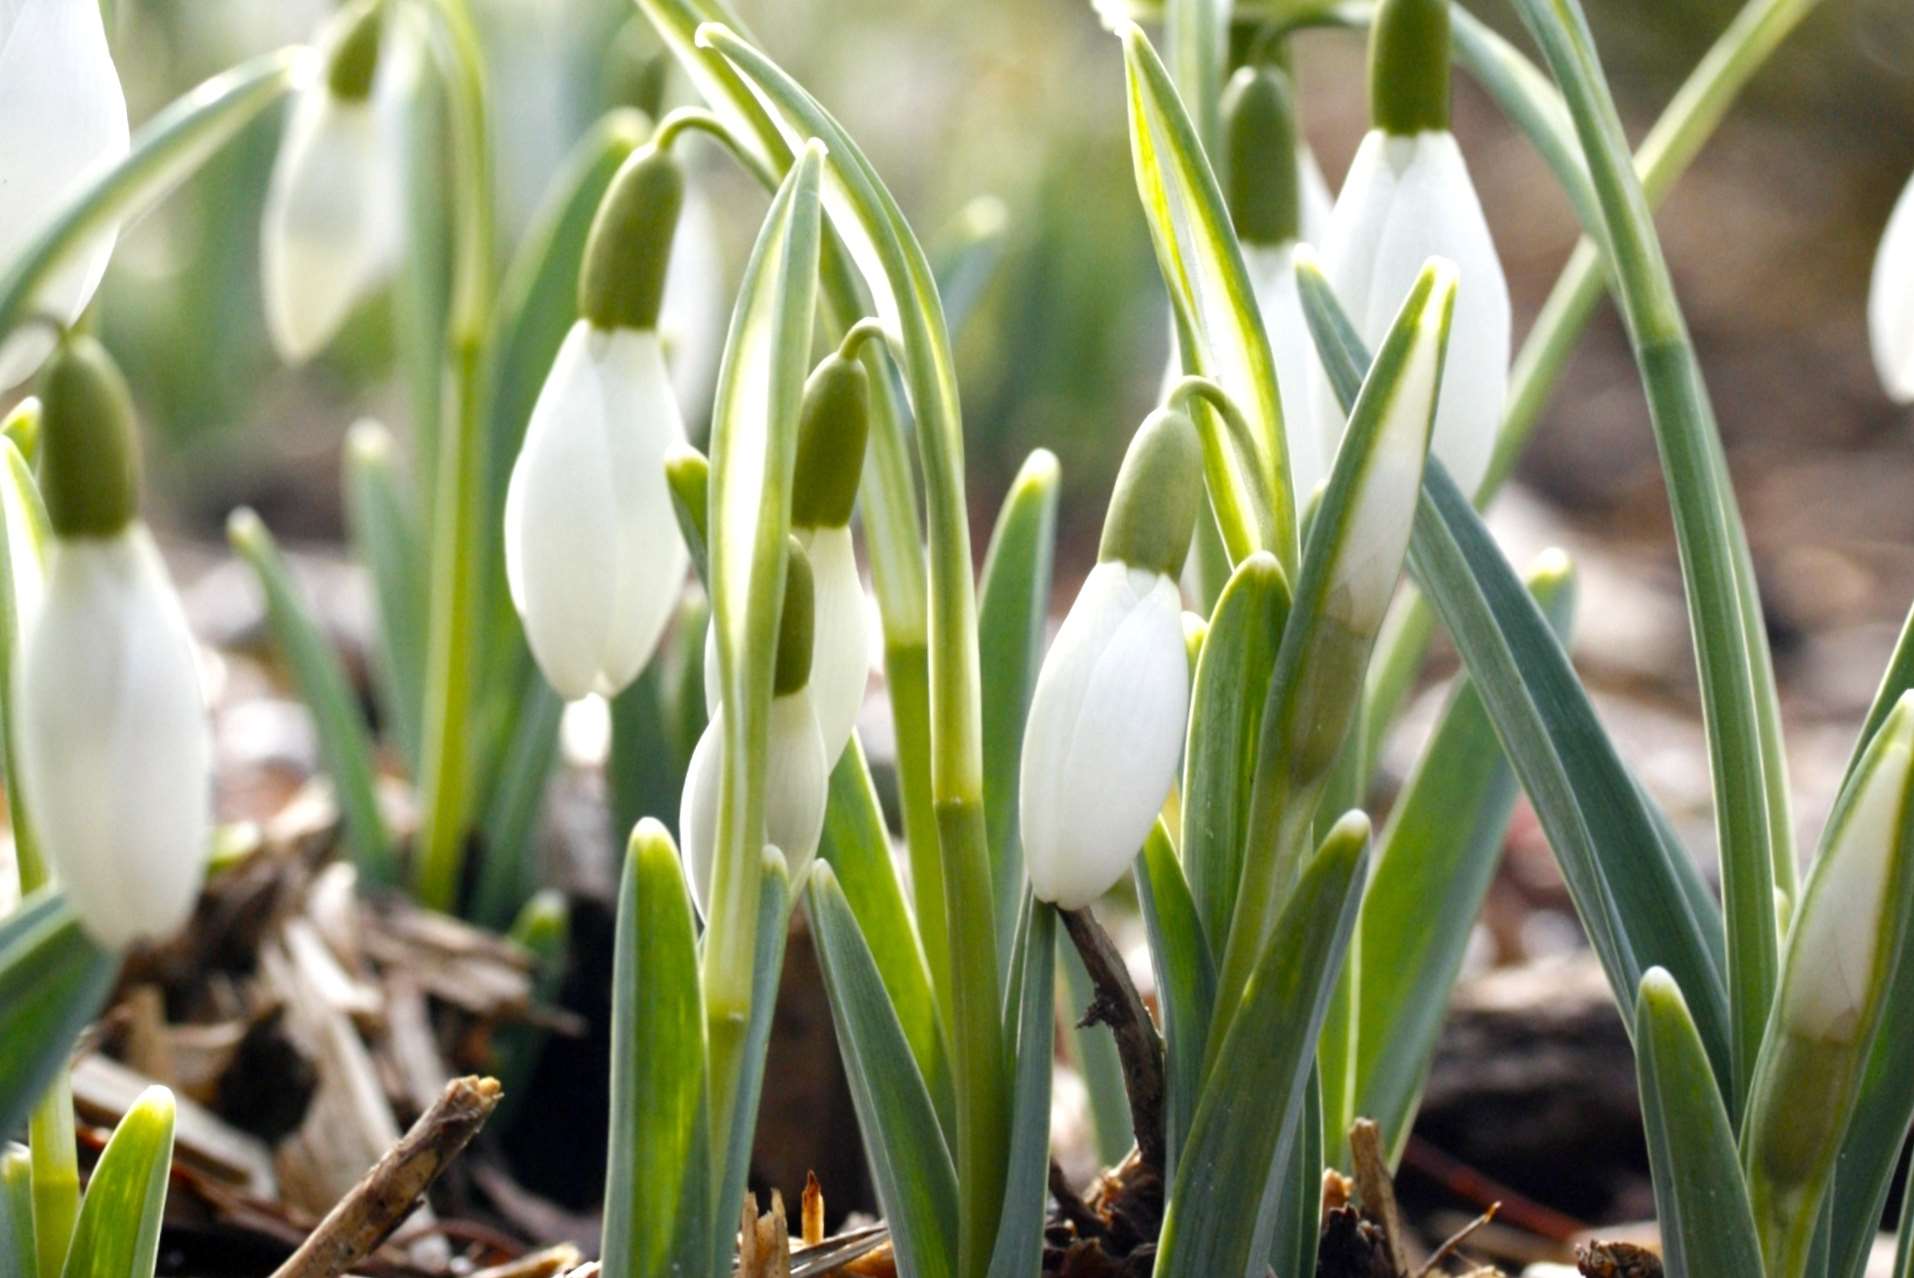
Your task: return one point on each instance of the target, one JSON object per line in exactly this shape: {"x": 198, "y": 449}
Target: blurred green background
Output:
{"x": 1020, "y": 100}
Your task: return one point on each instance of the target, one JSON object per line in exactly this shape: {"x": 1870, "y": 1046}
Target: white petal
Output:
{"x": 796, "y": 783}
{"x": 333, "y": 221}
{"x": 1104, "y": 733}
{"x": 713, "y": 685}
{"x": 1832, "y": 946}
{"x": 115, "y": 756}
{"x": 1317, "y": 202}
{"x": 840, "y": 651}
{"x": 1407, "y": 200}
{"x": 62, "y": 121}
{"x": 1890, "y": 309}
{"x": 692, "y": 315}
{"x": 1273, "y": 271}
{"x": 593, "y": 554}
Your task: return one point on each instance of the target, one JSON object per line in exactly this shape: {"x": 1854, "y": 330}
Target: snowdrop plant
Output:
{"x": 1408, "y": 196}
{"x": 333, "y": 225}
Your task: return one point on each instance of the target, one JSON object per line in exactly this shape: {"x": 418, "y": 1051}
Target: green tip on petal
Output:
{"x": 795, "y": 624}
{"x": 90, "y": 465}
{"x": 1409, "y": 67}
{"x": 1265, "y": 182}
{"x": 1158, "y": 493}
{"x": 622, "y": 282}
{"x": 832, "y": 430}
{"x": 352, "y": 56}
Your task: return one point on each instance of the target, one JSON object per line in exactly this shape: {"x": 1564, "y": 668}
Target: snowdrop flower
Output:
{"x": 115, "y": 755}
{"x": 1407, "y": 198}
{"x": 797, "y": 773}
{"x": 1268, "y": 204}
{"x": 830, "y": 460}
{"x": 1106, "y": 721}
{"x": 334, "y": 217}
{"x": 1890, "y": 311}
{"x": 62, "y": 120}
{"x": 593, "y": 555}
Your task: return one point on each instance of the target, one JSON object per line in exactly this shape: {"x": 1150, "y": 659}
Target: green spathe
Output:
{"x": 1158, "y": 493}
{"x": 1263, "y": 183}
{"x": 1409, "y": 67}
{"x": 622, "y": 281}
{"x": 352, "y": 52}
{"x": 832, "y": 429}
{"x": 795, "y": 623}
{"x": 90, "y": 467}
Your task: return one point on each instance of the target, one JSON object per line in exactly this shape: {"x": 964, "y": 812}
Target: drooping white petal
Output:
{"x": 1836, "y": 935}
{"x": 1408, "y": 199}
{"x": 692, "y": 315}
{"x": 796, "y": 779}
{"x": 840, "y": 652}
{"x": 62, "y": 121}
{"x": 1317, "y": 201}
{"x": 334, "y": 218}
{"x": 1890, "y": 309}
{"x": 1104, "y": 733}
{"x": 115, "y": 756}
{"x": 593, "y": 555}
{"x": 1272, "y": 271}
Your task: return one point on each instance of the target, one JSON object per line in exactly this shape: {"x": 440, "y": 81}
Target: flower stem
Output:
{"x": 445, "y": 770}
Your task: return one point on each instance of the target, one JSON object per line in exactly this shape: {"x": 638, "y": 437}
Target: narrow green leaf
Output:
{"x": 119, "y": 1228}
{"x": 688, "y": 476}
{"x": 1731, "y": 646}
{"x": 753, "y": 1038}
{"x": 509, "y": 872}
{"x": 966, "y": 255}
{"x": 422, "y": 285}
{"x": 345, "y": 742}
{"x": 858, "y": 846}
{"x": 167, "y": 150}
{"x": 16, "y": 1213}
{"x": 23, "y": 537}
{"x": 657, "y": 1179}
{"x": 915, "y": 1179}
{"x": 1219, "y": 327}
{"x": 1094, "y": 1051}
{"x": 385, "y": 538}
{"x": 1293, "y": 1202}
{"x": 1013, "y": 603}
{"x": 1707, "y": 1227}
{"x": 1226, "y": 715}
{"x": 1030, "y": 1020}
{"x": 1185, "y": 979}
{"x": 753, "y": 445}
{"x": 1248, "y": 1117}
{"x": 53, "y": 980}
{"x": 1435, "y": 860}
{"x": 1640, "y": 911}
{"x": 1871, "y": 1152}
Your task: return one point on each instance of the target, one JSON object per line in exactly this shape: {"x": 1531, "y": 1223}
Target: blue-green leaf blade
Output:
{"x": 1019, "y": 1249}
{"x": 53, "y": 980}
{"x": 117, "y": 1235}
{"x": 1185, "y": 981}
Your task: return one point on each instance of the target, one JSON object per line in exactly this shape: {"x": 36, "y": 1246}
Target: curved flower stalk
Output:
{"x": 1105, "y": 728}
{"x": 1270, "y": 203}
{"x": 832, "y": 430}
{"x": 593, "y": 555}
{"x": 797, "y": 767}
{"x": 62, "y": 121}
{"x": 1408, "y": 197}
{"x": 1890, "y": 311}
{"x": 116, "y": 759}
{"x": 334, "y": 218}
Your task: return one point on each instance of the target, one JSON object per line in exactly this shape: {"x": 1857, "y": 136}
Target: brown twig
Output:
{"x": 1071, "y": 1207}
{"x": 1455, "y": 1240}
{"x": 388, "y": 1193}
{"x": 1139, "y": 1047}
{"x": 1377, "y": 1191}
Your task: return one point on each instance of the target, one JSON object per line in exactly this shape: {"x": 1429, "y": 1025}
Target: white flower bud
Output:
{"x": 1104, "y": 733}
{"x": 62, "y": 121}
{"x": 1890, "y": 310}
{"x": 1407, "y": 199}
{"x": 334, "y": 221}
{"x": 796, "y": 784}
{"x": 840, "y": 639}
{"x": 593, "y": 554}
{"x": 115, "y": 756}
{"x": 1847, "y": 906}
